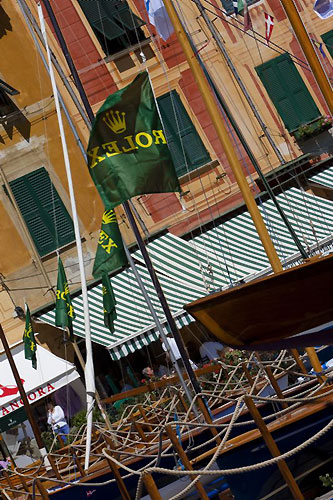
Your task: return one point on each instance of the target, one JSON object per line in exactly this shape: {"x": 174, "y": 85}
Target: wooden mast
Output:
{"x": 229, "y": 150}
{"x": 27, "y": 407}
{"x": 224, "y": 138}
{"x": 309, "y": 51}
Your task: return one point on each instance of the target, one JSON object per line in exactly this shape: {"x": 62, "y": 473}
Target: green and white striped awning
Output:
{"x": 189, "y": 270}
{"x": 325, "y": 178}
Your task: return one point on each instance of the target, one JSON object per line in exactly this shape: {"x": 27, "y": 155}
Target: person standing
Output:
{"x": 56, "y": 418}
{"x": 175, "y": 351}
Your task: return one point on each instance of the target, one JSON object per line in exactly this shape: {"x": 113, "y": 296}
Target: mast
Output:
{"x": 129, "y": 214}
{"x": 309, "y": 51}
{"x": 251, "y": 156}
{"x": 230, "y": 153}
{"x": 24, "y": 398}
{"x": 224, "y": 138}
{"x": 238, "y": 79}
{"x": 89, "y": 368}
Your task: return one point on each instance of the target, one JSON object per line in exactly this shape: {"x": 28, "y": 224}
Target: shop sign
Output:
{"x": 13, "y": 419}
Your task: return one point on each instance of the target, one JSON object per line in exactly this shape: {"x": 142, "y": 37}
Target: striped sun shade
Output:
{"x": 189, "y": 270}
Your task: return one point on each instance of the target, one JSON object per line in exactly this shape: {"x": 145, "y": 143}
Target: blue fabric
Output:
{"x": 63, "y": 432}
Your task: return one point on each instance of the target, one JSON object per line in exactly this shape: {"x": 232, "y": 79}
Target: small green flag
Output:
{"x": 109, "y": 303}
{"x": 127, "y": 151}
{"x": 240, "y": 6}
{"x": 30, "y": 345}
{"x": 64, "y": 309}
{"x": 110, "y": 253}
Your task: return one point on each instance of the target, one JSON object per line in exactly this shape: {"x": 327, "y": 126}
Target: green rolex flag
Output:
{"x": 110, "y": 253}
{"x": 109, "y": 303}
{"x": 64, "y": 309}
{"x": 30, "y": 345}
{"x": 127, "y": 151}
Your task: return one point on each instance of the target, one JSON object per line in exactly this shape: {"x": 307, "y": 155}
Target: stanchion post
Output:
{"x": 274, "y": 450}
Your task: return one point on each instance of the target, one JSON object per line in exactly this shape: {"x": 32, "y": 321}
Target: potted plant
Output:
{"x": 315, "y": 137}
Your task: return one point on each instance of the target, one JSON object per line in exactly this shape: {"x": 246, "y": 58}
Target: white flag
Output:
{"x": 159, "y": 18}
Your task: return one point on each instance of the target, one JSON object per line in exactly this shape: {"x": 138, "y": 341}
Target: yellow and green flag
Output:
{"x": 127, "y": 152}
{"x": 110, "y": 253}
{"x": 109, "y": 303}
{"x": 30, "y": 345}
{"x": 64, "y": 310}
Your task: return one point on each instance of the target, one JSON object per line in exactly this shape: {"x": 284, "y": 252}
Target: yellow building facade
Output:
{"x": 105, "y": 46}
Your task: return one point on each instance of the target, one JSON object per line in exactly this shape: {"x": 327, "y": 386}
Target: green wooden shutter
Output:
{"x": 181, "y": 135}
{"x": 111, "y": 18}
{"x": 42, "y": 210}
{"x": 288, "y": 92}
{"x": 328, "y": 41}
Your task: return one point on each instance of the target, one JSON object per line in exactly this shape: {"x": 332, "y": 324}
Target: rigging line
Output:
{"x": 240, "y": 154}
{"x": 323, "y": 219}
{"x": 202, "y": 186}
{"x": 180, "y": 138}
{"x": 83, "y": 50}
{"x": 237, "y": 146}
{"x": 298, "y": 61}
{"x": 310, "y": 218}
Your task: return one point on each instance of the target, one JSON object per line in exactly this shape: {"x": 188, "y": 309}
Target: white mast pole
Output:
{"x": 89, "y": 369}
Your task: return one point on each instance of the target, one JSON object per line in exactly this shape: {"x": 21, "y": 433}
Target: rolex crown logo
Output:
{"x": 109, "y": 216}
{"x": 115, "y": 121}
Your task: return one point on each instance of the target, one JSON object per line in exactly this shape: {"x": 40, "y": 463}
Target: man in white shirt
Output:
{"x": 174, "y": 348}
{"x": 210, "y": 350}
{"x": 56, "y": 418}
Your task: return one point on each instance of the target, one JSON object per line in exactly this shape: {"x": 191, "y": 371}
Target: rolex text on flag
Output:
{"x": 127, "y": 152}
{"x": 64, "y": 310}
{"x": 110, "y": 253}
{"x": 30, "y": 345}
{"x": 269, "y": 23}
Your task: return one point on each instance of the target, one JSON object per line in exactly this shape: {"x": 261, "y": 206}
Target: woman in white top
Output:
{"x": 56, "y": 418}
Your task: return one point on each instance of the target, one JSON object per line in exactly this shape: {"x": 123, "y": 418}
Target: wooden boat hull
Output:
{"x": 270, "y": 308}
{"x": 267, "y": 482}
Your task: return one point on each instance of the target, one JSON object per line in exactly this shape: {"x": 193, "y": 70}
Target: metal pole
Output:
{"x": 61, "y": 73}
{"x": 229, "y": 151}
{"x": 159, "y": 327}
{"x": 224, "y": 138}
{"x": 29, "y": 18}
{"x": 130, "y": 217}
{"x": 234, "y": 71}
{"x": 309, "y": 52}
{"x": 253, "y": 160}
{"x": 89, "y": 369}
{"x": 23, "y": 395}
{"x": 69, "y": 60}
{"x": 162, "y": 299}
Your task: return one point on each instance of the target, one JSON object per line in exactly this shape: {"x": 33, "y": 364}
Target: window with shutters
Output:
{"x": 115, "y": 25}
{"x": 6, "y": 104}
{"x": 288, "y": 92}
{"x": 187, "y": 149}
{"x": 228, "y": 7}
{"x": 45, "y": 215}
{"x": 328, "y": 41}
